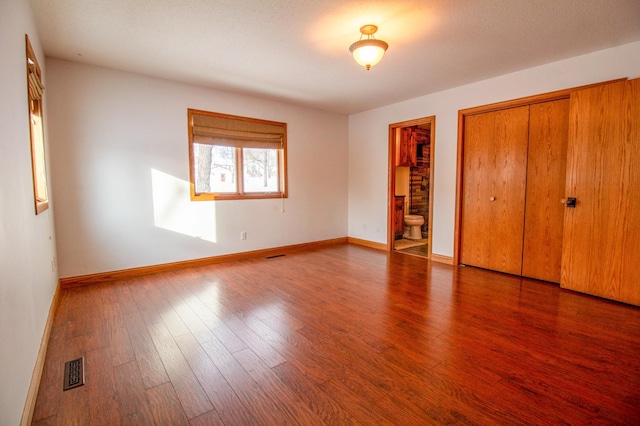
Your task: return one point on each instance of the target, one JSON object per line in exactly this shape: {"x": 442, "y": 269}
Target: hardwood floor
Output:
{"x": 341, "y": 335}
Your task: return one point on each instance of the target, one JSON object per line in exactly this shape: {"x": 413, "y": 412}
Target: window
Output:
{"x": 233, "y": 157}
{"x": 36, "y": 127}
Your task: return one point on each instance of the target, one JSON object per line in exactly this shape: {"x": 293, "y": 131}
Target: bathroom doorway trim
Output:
{"x": 391, "y": 190}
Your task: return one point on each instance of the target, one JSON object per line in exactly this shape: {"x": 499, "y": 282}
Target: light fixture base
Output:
{"x": 368, "y": 29}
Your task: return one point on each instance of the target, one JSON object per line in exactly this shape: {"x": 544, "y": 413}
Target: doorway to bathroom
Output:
{"x": 411, "y": 155}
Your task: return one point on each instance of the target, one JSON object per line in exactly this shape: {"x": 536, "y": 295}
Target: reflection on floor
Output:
{"x": 414, "y": 247}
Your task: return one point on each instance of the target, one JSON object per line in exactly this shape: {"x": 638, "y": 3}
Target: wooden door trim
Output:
{"x": 391, "y": 188}
{"x": 528, "y": 100}
{"x": 513, "y": 103}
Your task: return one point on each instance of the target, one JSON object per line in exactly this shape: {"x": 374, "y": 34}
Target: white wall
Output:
{"x": 119, "y": 165}
{"x": 368, "y": 135}
{"x": 27, "y": 244}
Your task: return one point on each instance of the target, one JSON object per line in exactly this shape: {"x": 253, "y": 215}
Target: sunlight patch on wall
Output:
{"x": 174, "y": 211}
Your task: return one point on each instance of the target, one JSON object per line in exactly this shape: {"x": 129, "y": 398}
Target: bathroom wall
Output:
{"x": 120, "y": 173}
{"x": 402, "y": 181}
{"x": 368, "y": 132}
{"x": 419, "y": 186}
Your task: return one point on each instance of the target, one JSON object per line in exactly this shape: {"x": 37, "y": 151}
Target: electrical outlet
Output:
{"x": 243, "y": 235}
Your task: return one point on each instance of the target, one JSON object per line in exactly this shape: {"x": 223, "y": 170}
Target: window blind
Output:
{"x": 223, "y": 131}
{"x": 35, "y": 85}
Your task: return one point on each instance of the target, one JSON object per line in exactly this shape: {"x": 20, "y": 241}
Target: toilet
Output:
{"x": 412, "y": 225}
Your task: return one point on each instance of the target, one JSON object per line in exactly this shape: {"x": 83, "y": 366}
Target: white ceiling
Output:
{"x": 298, "y": 50}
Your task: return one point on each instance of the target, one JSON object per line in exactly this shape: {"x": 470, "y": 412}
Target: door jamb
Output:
{"x": 391, "y": 190}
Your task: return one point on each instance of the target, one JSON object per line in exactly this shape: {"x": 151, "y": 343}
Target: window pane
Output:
{"x": 34, "y": 96}
{"x": 39, "y": 170}
{"x": 260, "y": 171}
{"x": 215, "y": 168}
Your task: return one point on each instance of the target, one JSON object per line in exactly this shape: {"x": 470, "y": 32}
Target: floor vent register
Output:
{"x": 73, "y": 374}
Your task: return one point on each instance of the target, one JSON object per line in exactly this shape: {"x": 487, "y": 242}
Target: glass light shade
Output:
{"x": 368, "y": 52}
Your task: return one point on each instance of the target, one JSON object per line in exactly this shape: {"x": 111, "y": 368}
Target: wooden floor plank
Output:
{"x": 165, "y": 406}
{"x": 194, "y": 324}
{"x": 257, "y": 344}
{"x": 149, "y": 362}
{"x": 283, "y": 397}
{"x": 226, "y": 403}
{"x": 119, "y": 342}
{"x": 74, "y": 406}
{"x": 341, "y": 334}
{"x": 210, "y": 418}
{"x": 262, "y": 406}
{"x": 161, "y": 297}
{"x": 207, "y": 307}
{"x": 189, "y": 390}
{"x": 100, "y": 386}
{"x": 325, "y": 407}
{"x": 134, "y": 406}
{"x": 49, "y": 421}
{"x": 292, "y": 345}
{"x": 96, "y": 329}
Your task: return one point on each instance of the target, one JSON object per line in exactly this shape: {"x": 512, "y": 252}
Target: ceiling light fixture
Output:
{"x": 368, "y": 51}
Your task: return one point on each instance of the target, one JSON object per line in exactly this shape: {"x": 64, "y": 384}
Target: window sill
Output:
{"x": 41, "y": 206}
{"x": 252, "y": 196}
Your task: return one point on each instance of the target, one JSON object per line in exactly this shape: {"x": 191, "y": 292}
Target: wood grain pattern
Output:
{"x": 192, "y": 397}
{"x": 546, "y": 170}
{"x": 228, "y": 407}
{"x": 398, "y": 217}
{"x": 132, "y": 396}
{"x": 494, "y": 179}
{"x": 601, "y": 246}
{"x": 342, "y": 334}
{"x": 149, "y": 362}
{"x": 165, "y": 406}
{"x": 119, "y": 342}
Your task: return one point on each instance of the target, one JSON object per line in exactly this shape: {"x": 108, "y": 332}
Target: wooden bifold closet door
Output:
{"x": 494, "y": 183}
{"x": 513, "y": 183}
{"x": 546, "y": 174}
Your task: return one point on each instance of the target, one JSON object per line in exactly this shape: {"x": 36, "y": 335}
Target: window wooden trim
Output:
{"x": 34, "y": 104}
{"x": 240, "y": 195}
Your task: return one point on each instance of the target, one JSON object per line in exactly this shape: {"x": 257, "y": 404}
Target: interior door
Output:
{"x": 601, "y": 245}
{"x": 546, "y": 171}
{"x": 493, "y": 185}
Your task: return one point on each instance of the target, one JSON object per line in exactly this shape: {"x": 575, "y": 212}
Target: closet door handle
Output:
{"x": 571, "y": 202}
{"x": 492, "y": 198}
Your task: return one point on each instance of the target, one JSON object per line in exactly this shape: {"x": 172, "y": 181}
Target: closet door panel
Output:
{"x": 546, "y": 170}
{"x": 601, "y": 245}
{"x": 494, "y": 179}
